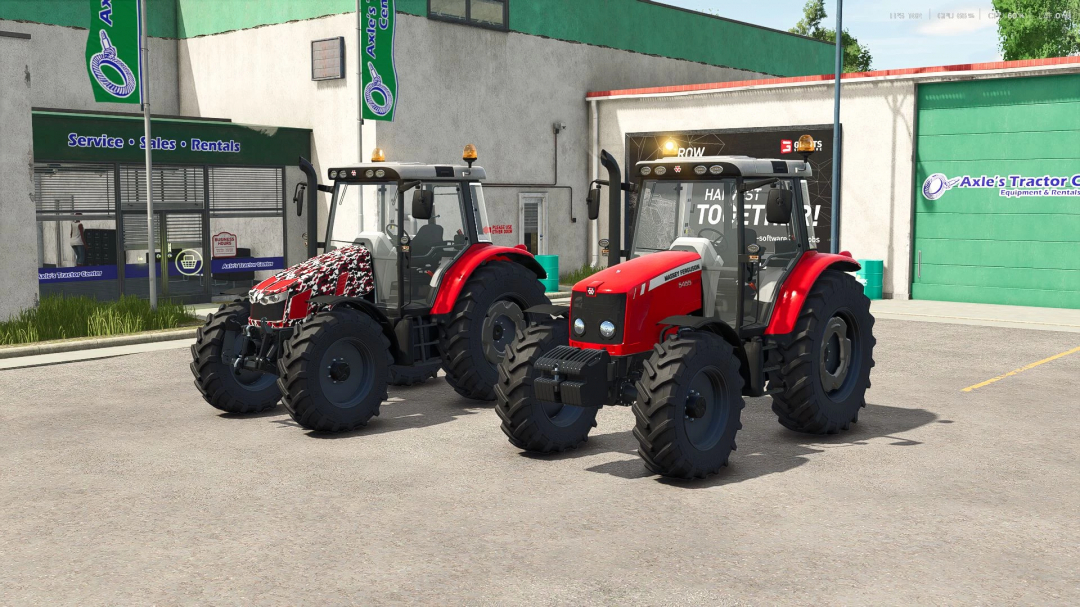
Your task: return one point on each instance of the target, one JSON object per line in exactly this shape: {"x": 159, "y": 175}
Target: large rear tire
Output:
{"x": 689, "y": 406}
{"x": 486, "y": 316}
{"x": 334, "y": 371}
{"x": 212, "y": 354}
{"x": 824, "y": 366}
{"x": 531, "y": 424}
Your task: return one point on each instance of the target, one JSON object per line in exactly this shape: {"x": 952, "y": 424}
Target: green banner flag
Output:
{"x": 113, "y": 59}
{"x": 377, "y": 60}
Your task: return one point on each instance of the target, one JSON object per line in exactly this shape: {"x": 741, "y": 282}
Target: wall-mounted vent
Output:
{"x": 328, "y": 59}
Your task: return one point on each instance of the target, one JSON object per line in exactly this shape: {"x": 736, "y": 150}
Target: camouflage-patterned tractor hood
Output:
{"x": 345, "y": 271}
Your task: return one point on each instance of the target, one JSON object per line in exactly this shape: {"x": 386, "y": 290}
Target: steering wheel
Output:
{"x": 718, "y": 241}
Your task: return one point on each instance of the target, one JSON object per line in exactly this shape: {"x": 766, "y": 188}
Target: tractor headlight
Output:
{"x": 268, "y": 299}
{"x": 333, "y": 174}
{"x": 380, "y": 173}
{"x": 607, "y": 329}
{"x": 579, "y": 327}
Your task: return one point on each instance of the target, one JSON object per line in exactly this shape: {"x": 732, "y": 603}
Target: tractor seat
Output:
{"x": 429, "y": 236}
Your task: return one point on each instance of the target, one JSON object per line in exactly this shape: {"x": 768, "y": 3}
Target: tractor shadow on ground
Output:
{"x": 765, "y": 447}
{"x": 408, "y": 408}
{"x": 276, "y": 411}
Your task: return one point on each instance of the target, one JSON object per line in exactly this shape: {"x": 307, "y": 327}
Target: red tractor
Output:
{"x": 722, "y": 297}
{"x": 398, "y": 294}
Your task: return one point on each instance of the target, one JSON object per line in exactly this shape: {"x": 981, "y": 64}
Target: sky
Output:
{"x": 898, "y": 33}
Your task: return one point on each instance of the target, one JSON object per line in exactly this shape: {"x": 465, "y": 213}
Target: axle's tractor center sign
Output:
{"x": 113, "y": 58}
{"x": 378, "y": 71}
{"x": 1010, "y": 186}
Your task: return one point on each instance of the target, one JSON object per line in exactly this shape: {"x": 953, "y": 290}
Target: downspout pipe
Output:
{"x": 593, "y": 244}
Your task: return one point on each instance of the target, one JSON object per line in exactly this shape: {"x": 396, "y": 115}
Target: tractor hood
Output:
{"x": 643, "y": 273}
{"x": 345, "y": 271}
{"x": 634, "y": 297}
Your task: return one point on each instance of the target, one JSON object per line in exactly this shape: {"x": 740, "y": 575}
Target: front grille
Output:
{"x": 595, "y": 310}
{"x": 271, "y": 312}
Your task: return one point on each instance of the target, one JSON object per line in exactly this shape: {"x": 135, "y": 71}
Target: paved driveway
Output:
{"x": 120, "y": 486}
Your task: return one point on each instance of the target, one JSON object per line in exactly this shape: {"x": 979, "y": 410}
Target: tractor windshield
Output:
{"x": 667, "y": 210}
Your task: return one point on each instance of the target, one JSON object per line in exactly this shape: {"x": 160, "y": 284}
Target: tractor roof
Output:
{"x": 407, "y": 171}
{"x": 729, "y": 166}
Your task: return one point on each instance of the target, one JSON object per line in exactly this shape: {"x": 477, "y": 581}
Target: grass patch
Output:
{"x": 576, "y": 276}
{"x": 60, "y": 317}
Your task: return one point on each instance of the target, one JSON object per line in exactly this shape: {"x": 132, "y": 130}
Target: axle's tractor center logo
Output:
{"x": 108, "y": 58}
{"x": 374, "y": 87}
{"x": 937, "y": 184}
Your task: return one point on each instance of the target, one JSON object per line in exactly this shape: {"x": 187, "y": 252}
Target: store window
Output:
{"x": 76, "y": 229}
{"x": 494, "y": 14}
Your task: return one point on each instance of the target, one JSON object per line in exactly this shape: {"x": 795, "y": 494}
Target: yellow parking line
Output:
{"x": 1020, "y": 370}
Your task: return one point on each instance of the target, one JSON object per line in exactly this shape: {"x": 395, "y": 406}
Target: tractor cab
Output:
{"x": 746, "y": 244}
{"x": 414, "y": 219}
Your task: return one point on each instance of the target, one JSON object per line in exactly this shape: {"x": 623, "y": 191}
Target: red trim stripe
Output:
{"x": 963, "y": 67}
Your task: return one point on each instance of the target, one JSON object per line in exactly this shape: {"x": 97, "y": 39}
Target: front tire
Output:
{"x": 825, "y": 364}
{"x": 215, "y": 348}
{"x": 689, "y": 406}
{"x": 334, "y": 371}
{"x": 486, "y": 316}
{"x": 531, "y": 424}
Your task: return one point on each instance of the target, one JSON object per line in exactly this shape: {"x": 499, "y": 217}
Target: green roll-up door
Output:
{"x": 1007, "y": 241}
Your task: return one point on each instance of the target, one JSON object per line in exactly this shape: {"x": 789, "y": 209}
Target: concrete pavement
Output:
{"x": 120, "y": 485}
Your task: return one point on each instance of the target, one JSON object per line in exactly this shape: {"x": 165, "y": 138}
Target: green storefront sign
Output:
{"x": 113, "y": 59}
{"x": 378, "y": 69}
{"x": 64, "y": 137}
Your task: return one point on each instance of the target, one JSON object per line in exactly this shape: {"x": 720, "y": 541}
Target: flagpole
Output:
{"x": 144, "y": 92}
{"x": 834, "y": 235}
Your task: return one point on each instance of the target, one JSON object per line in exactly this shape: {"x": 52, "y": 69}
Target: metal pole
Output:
{"x": 359, "y": 86}
{"x": 144, "y": 91}
{"x": 834, "y": 235}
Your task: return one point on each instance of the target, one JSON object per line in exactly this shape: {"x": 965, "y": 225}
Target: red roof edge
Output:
{"x": 962, "y": 67}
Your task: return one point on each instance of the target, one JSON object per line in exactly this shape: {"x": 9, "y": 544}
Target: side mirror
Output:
{"x": 592, "y": 201}
{"x": 423, "y": 203}
{"x": 298, "y": 198}
{"x": 778, "y": 207}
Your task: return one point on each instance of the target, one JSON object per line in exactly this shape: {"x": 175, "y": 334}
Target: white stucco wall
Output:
{"x": 60, "y": 79}
{"x": 878, "y": 122}
{"x": 18, "y": 243}
{"x": 263, "y": 76}
{"x": 457, "y": 84}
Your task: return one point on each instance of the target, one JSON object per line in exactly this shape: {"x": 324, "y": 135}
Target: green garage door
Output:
{"x": 997, "y": 202}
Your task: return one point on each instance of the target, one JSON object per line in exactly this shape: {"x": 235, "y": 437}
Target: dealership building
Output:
{"x": 964, "y": 180}
{"x": 539, "y": 86}
{"x": 239, "y": 95}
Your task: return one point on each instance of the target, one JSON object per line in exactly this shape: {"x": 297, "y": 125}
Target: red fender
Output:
{"x": 475, "y": 256}
{"x": 798, "y": 285}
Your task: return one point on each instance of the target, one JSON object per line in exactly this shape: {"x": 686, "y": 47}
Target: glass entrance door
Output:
{"x": 179, "y": 260}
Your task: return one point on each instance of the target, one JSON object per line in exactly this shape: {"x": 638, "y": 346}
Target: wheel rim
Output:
{"x": 838, "y": 357}
{"x": 503, "y": 319}
{"x": 346, "y": 373}
{"x": 705, "y": 409}
{"x": 252, "y": 381}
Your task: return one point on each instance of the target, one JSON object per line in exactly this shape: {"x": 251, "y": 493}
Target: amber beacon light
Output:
{"x": 469, "y": 155}
{"x": 378, "y": 155}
